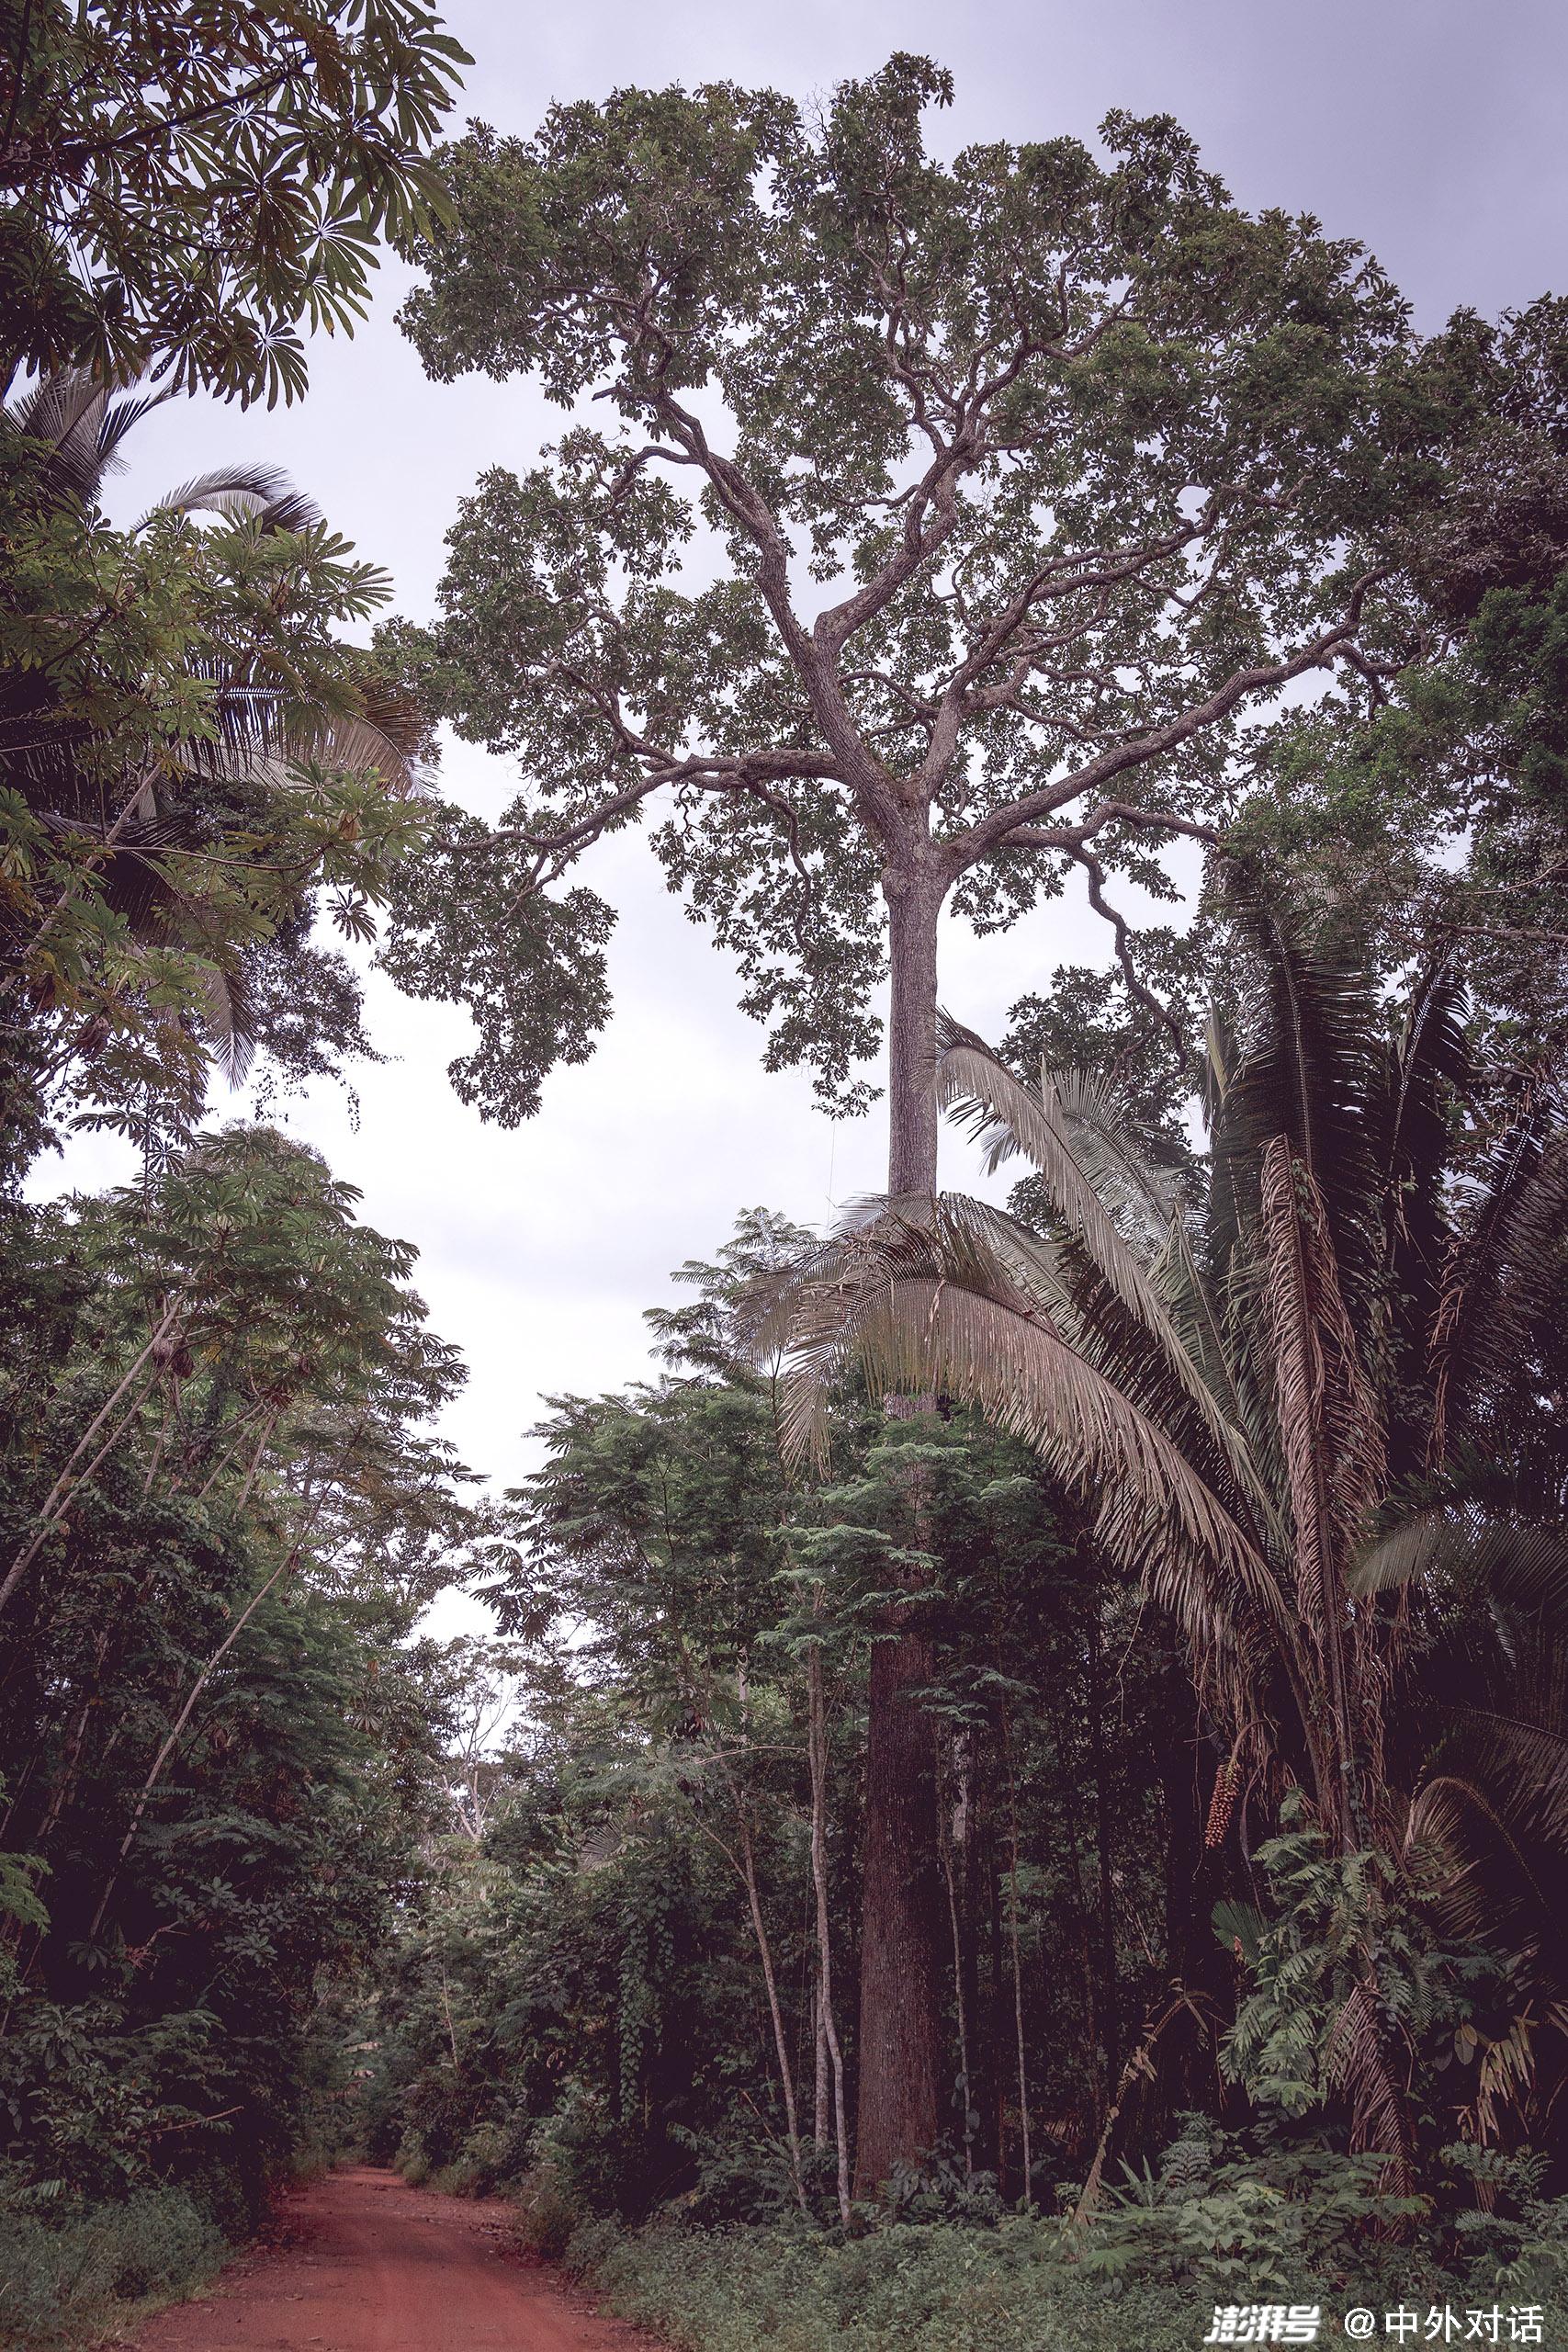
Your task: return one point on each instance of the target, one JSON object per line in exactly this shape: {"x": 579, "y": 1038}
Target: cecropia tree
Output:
{"x": 955, "y": 517}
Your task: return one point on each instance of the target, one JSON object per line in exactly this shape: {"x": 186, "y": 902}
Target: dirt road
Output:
{"x": 365, "y": 2264}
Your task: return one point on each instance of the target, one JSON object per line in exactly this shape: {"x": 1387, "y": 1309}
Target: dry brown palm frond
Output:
{"x": 1332, "y": 1449}
{"x": 1359, "y": 2064}
{"x": 1504, "y": 2077}
{"x": 1330, "y": 1429}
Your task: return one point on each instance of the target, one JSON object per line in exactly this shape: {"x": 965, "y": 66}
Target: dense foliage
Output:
{"x": 1022, "y": 1776}
{"x": 222, "y": 1512}
{"x": 222, "y": 1520}
{"x": 184, "y": 187}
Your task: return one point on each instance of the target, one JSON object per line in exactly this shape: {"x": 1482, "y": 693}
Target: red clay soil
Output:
{"x": 365, "y": 2264}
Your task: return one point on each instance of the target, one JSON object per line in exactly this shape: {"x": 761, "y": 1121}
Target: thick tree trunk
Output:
{"x": 914, "y": 904}
{"x": 955, "y": 1866}
{"x": 901, "y": 1935}
{"x": 828, "y": 2053}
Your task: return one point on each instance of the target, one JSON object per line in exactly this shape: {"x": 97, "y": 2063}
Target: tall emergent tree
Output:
{"x": 956, "y": 518}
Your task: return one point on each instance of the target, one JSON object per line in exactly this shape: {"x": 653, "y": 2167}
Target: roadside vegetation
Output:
{"x": 1020, "y": 1786}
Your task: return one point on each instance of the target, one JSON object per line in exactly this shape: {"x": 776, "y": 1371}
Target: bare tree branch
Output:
{"x": 990, "y": 833}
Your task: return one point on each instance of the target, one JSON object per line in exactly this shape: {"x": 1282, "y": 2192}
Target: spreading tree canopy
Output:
{"x": 954, "y": 519}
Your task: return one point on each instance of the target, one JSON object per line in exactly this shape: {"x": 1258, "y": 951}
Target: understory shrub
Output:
{"x": 547, "y": 2214}
{"x": 67, "y": 2275}
{"x": 910, "y": 2287}
{"x": 1210, "y": 2227}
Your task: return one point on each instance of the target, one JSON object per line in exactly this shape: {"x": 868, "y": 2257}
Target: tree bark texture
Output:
{"x": 897, "y": 2116}
{"x": 903, "y": 1908}
{"x": 828, "y": 2052}
{"x": 913, "y": 892}
{"x": 900, "y": 1947}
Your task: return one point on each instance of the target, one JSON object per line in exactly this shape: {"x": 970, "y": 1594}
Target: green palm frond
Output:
{"x": 1119, "y": 1297}
{"x": 82, "y": 419}
{"x": 1506, "y": 1271}
{"x": 920, "y": 1301}
{"x": 256, "y": 494}
{"x": 1467, "y": 1858}
{"x": 1523, "y": 1563}
{"x": 1526, "y": 1765}
{"x": 1306, "y": 1065}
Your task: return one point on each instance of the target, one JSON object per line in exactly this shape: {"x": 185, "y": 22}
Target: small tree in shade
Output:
{"x": 1016, "y": 483}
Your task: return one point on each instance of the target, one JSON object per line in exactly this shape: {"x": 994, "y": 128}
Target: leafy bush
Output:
{"x": 548, "y": 2215}
{"x": 904, "y": 2287}
{"x": 1255, "y": 2226}
{"x": 1212, "y": 2224}
{"x": 66, "y": 2275}
{"x": 1513, "y": 2239}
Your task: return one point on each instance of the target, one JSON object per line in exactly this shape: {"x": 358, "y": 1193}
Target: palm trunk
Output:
{"x": 901, "y": 1936}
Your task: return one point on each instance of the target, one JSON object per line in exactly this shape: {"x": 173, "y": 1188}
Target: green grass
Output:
{"x": 911, "y": 2288}
{"x": 74, "y": 2280}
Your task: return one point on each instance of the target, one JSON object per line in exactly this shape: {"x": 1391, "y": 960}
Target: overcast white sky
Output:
{"x": 1431, "y": 128}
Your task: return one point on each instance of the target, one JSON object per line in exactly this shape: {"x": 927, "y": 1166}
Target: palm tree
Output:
{"x": 1317, "y": 1418}
{"x": 272, "y": 717}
